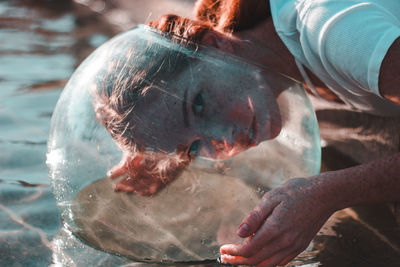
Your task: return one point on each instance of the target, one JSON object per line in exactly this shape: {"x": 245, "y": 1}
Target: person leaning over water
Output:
{"x": 347, "y": 50}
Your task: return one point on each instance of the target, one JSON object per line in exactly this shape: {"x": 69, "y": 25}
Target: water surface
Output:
{"x": 42, "y": 42}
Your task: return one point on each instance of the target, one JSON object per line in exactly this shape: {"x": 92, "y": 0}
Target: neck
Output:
{"x": 263, "y": 45}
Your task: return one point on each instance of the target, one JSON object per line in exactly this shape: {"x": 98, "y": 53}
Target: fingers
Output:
{"x": 287, "y": 227}
{"x": 257, "y": 216}
{"x": 261, "y": 229}
{"x": 271, "y": 260}
{"x": 269, "y": 234}
{"x": 259, "y": 255}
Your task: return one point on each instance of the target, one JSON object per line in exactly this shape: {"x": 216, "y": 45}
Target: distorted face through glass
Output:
{"x": 208, "y": 111}
{"x": 160, "y": 107}
{"x": 170, "y": 103}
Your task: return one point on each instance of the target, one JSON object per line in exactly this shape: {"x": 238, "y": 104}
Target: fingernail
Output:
{"x": 222, "y": 249}
{"x": 221, "y": 259}
{"x": 243, "y": 229}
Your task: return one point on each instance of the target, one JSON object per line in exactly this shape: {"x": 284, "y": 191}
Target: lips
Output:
{"x": 243, "y": 141}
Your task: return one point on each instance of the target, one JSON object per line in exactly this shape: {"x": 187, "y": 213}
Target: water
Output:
{"x": 39, "y": 49}
{"x": 41, "y": 44}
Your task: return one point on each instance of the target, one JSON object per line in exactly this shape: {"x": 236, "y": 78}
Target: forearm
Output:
{"x": 374, "y": 182}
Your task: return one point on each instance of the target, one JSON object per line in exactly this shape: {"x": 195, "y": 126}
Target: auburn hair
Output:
{"x": 225, "y": 16}
{"x": 232, "y": 15}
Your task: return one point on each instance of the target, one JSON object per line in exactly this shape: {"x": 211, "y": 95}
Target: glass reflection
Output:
{"x": 194, "y": 135}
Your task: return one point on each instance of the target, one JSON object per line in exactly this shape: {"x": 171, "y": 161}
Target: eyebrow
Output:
{"x": 184, "y": 109}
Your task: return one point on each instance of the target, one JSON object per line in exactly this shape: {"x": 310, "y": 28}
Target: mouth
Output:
{"x": 223, "y": 149}
{"x": 243, "y": 141}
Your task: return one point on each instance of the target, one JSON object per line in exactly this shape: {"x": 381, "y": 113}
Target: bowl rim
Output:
{"x": 195, "y": 46}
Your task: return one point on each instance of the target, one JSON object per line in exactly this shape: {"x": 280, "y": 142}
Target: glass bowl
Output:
{"x": 234, "y": 128}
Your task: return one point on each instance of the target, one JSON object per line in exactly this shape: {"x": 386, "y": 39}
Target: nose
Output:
{"x": 269, "y": 124}
{"x": 242, "y": 113}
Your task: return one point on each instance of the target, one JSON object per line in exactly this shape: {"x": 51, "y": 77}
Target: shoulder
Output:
{"x": 326, "y": 9}
{"x": 284, "y": 12}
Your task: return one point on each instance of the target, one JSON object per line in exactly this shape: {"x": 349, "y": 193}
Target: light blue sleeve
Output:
{"x": 349, "y": 39}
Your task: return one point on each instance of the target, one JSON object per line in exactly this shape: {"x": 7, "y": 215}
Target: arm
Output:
{"x": 289, "y": 216}
{"x": 389, "y": 77}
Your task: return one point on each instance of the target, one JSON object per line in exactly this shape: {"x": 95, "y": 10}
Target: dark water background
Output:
{"x": 41, "y": 43}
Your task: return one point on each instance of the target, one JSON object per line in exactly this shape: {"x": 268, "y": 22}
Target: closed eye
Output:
{"x": 198, "y": 104}
{"x": 194, "y": 149}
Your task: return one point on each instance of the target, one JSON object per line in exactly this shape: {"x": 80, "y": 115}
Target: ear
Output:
{"x": 218, "y": 40}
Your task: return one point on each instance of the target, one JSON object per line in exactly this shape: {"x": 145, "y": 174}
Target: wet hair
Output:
{"x": 131, "y": 74}
{"x": 128, "y": 78}
{"x": 189, "y": 29}
{"x": 225, "y": 16}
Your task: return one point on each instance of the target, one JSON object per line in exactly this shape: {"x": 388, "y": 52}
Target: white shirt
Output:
{"x": 343, "y": 42}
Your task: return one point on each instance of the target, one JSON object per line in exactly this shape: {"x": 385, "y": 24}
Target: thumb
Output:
{"x": 255, "y": 219}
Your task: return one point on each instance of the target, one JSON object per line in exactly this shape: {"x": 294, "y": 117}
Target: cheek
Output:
{"x": 240, "y": 114}
{"x": 167, "y": 134}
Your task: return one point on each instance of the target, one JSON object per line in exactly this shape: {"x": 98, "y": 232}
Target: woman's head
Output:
{"x": 171, "y": 99}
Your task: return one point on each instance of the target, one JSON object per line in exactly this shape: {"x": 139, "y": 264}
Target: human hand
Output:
{"x": 281, "y": 226}
{"x": 146, "y": 175}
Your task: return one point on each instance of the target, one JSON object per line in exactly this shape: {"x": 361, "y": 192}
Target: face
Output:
{"x": 211, "y": 109}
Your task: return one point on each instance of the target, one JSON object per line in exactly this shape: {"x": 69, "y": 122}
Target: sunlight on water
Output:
{"x": 37, "y": 56}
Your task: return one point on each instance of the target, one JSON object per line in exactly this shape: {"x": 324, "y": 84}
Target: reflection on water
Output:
{"x": 41, "y": 44}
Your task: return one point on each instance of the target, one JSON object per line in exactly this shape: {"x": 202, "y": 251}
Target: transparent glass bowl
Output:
{"x": 200, "y": 209}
